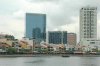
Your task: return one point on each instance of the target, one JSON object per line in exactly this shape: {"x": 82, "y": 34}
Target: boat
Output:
{"x": 65, "y": 56}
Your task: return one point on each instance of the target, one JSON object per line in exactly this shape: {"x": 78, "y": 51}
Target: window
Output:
{"x": 88, "y": 27}
{"x": 84, "y": 24}
{"x": 92, "y": 34}
{"x": 88, "y": 14}
{"x": 84, "y": 8}
{"x": 84, "y": 27}
{"x": 92, "y": 24}
{"x": 87, "y": 24}
{"x": 84, "y": 14}
{"x": 84, "y": 33}
{"x": 87, "y": 8}
{"x": 92, "y": 21}
{"x": 87, "y": 30}
{"x": 92, "y": 42}
{"x": 84, "y": 17}
{"x": 85, "y": 20}
{"x": 92, "y": 14}
{"x": 92, "y": 27}
{"x": 84, "y": 30}
{"x": 84, "y": 36}
{"x": 92, "y": 11}
{"x": 92, "y": 30}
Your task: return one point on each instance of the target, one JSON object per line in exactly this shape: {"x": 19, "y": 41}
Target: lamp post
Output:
{"x": 62, "y": 38}
{"x": 33, "y": 46}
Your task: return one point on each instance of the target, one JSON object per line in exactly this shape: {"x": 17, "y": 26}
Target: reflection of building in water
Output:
{"x": 36, "y": 26}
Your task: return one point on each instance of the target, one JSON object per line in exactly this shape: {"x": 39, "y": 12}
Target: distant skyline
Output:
{"x": 61, "y": 14}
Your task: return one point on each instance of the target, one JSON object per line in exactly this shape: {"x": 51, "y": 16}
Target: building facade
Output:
{"x": 57, "y": 37}
{"x": 36, "y": 26}
{"x": 71, "y": 39}
{"x": 88, "y": 25}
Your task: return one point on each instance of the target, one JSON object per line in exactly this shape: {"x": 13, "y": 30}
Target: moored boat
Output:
{"x": 65, "y": 56}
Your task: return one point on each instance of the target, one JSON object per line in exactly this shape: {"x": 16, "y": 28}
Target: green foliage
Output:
{"x": 10, "y": 37}
{"x": 24, "y": 50}
{"x": 45, "y": 50}
{"x": 11, "y": 50}
{"x": 95, "y": 50}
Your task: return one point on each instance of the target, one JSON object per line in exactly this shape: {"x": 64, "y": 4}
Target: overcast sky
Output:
{"x": 61, "y": 14}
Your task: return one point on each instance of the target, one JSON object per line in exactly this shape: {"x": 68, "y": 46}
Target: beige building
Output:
{"x": 71, "y": 39}
{"x": 8, "y": 39}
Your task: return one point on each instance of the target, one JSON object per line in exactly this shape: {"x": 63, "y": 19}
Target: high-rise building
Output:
{"x": 36, "y": 26}
{"x": 71, "y": 39}
{"x": 57, "y": 37}
{"x": 88, "y": 24}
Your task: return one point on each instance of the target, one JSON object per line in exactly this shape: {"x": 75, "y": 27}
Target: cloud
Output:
{"x": 12, "y": 26}
{"x": 61, "y": 14}
{"x": 43, "y": 0}
{"x": 64, "y": 14}
{"x": 8, "y": 6}
{"x": 19, "y": 14}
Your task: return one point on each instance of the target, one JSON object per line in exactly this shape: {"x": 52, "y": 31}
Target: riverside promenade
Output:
{"x": 39, "y": 55}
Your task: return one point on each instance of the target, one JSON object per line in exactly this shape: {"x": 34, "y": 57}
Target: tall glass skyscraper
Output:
{"x": 36, "y": 26}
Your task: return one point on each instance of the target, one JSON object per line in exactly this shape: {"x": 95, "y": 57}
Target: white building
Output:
{"x": 88, "y": 25}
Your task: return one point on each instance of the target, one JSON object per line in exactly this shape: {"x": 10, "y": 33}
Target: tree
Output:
{"x": 11, "y": 50}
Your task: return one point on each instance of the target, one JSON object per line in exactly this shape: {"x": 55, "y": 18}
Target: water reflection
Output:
{"x": 50, "y": 61}
{"x": 36, "y": 61}
{"x": 89, "y": 61}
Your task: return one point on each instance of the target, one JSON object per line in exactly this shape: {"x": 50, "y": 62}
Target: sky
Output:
{"x": 61, "y": 14}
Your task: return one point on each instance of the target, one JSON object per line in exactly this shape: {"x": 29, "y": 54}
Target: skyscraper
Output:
{"x": 57, "y": 37}
{"x": 36, "y": 26}
{"x": 88, "y": 24}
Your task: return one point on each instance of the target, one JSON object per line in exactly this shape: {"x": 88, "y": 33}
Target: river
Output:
{"x": 50, "y": 61}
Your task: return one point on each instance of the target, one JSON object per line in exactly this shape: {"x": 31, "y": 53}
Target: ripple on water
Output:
{"x": 89, "y": 65}
{"x": 36, "y": 61}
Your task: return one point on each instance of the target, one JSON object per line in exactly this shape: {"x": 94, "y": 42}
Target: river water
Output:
{"x": 50, "y": 61}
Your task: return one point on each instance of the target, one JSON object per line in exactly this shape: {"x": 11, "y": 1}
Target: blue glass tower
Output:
{"x": 36, "y": 26}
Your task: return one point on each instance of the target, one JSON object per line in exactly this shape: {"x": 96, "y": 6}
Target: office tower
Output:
{"x": 88, "y": 24}
{"x": 36, "y": 26}
{"x": 71, "y": 39}
{"x": 57, "y": 37}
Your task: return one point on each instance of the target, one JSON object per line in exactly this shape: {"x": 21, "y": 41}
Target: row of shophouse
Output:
{"x": 9, "y": 41}
{"x": 26, "y": 45}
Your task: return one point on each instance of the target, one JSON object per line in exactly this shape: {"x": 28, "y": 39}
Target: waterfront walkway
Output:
{"x": 39, "y": 55}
